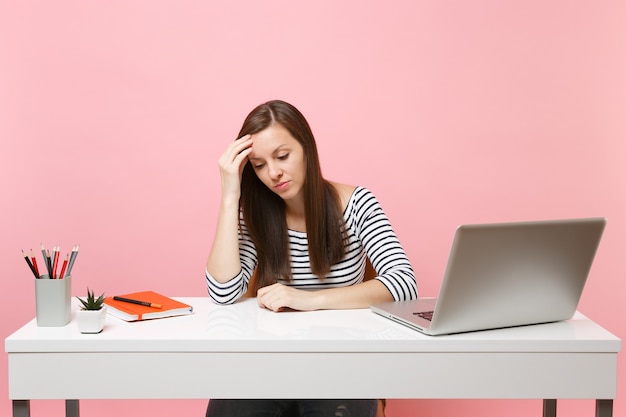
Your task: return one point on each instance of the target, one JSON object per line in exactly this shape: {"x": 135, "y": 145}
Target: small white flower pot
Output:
{"x": 91, "y": 321}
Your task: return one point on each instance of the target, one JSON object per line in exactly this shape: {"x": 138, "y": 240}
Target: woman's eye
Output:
{"x": 283, "y": 157}
{"x": 258, "y": 166}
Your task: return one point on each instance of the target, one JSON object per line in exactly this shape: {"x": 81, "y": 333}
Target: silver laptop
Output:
{"x": 504, "y": 275}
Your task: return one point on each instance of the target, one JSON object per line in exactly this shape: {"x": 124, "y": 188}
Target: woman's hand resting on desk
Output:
{"x": 279, "y": 297}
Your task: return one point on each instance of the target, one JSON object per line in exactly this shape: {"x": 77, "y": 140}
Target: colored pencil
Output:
{"x": 49, "y": 262}
{"x": 72, "y": 259}
{"x": 32, "y": 257}
{"x": 46, "y": 260}
{"x": 62, "y": 274}
{"x": 30, "y": 264}
{"x": 55, "y": 251}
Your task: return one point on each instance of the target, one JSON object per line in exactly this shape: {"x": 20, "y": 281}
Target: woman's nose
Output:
{"x": 275, "y": 171}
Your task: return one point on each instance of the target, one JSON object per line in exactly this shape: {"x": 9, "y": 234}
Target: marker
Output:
{"x": 141, "y": 303}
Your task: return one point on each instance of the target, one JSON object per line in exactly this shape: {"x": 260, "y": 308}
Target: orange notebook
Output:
{"x": 134, "y": 312}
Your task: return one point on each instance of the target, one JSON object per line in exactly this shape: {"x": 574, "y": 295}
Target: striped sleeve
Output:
{"x": 383, "y": 247}
{"x": 230, "y": 291}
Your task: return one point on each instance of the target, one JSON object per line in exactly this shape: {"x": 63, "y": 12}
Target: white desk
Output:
{"x": 322, "y": 354}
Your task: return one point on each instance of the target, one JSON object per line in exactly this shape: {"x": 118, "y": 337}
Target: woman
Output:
{"x": 305, "y": 240}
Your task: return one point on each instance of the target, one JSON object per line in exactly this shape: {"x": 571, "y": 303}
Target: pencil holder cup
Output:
{"x": 53, "y": 301}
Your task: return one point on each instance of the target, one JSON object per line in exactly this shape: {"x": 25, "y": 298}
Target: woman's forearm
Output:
{"x": 277, "y": 297}
{"x": 223, "y": 262}
{"x": 354, "y": 296}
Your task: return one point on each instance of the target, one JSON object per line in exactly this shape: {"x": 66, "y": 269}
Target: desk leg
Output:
{"x": 549, "y": 408}
{"x": 604, "y": 408}
{"x": 21, "y": 408}
{"x": 71, "y": 408}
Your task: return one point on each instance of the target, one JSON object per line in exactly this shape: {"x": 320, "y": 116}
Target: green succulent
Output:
{"x": 92, "y": 303}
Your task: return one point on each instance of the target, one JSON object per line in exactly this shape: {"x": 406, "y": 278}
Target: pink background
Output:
{"x": 113, "y": 115}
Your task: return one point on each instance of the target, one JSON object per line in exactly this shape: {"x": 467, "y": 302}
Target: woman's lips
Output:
{"x": 281, "y": 185}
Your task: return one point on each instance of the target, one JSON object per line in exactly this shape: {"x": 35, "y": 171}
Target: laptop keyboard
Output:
{"x": 427, "y": 315}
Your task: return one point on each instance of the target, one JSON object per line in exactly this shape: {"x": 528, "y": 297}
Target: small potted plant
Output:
{"x": 90, "y": 317}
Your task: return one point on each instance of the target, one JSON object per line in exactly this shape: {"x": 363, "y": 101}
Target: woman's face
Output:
{"x": 278, "y": 160}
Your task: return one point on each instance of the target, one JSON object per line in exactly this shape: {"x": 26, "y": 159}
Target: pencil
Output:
{"x": 45, "y": 260}
{"x": 30, "y": 264}
{"x": 55, "y": 251}
{"x": 49, "y": 262}
{"x": 72, "y": 259}
{"x": 62, "y": 274}
{"x": 32, "y": 257}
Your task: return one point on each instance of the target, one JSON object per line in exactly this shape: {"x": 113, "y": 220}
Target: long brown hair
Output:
{"x": 264, "y": 211}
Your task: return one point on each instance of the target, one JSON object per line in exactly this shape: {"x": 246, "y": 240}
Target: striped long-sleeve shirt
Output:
{"x": 370, "y": 235}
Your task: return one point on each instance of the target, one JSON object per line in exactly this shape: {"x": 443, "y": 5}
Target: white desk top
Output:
{"x": 214, "y": 328}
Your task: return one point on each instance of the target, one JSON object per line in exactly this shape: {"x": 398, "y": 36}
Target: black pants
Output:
{"x": 292, "y": 408}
